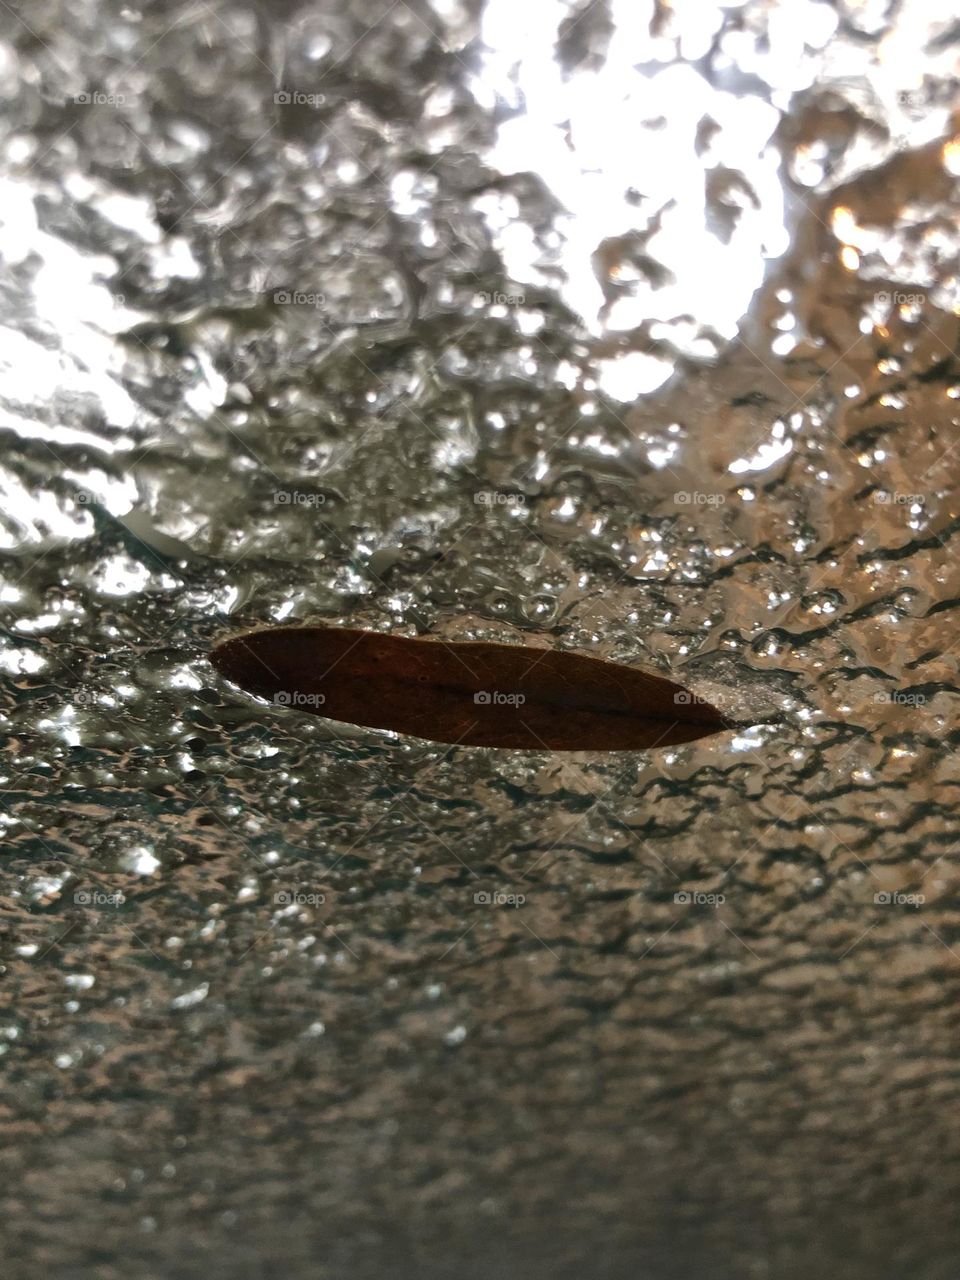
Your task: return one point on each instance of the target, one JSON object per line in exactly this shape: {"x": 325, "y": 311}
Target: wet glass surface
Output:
{"x": 624, "y": 328}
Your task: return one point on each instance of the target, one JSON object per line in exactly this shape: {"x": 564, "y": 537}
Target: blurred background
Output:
{"x": 621, "y": 327}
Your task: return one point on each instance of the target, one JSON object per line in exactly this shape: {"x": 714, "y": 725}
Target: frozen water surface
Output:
{"x": 620, "y": 327}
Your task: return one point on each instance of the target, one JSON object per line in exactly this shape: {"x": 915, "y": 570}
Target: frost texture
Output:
{"x": 625, "y": 328}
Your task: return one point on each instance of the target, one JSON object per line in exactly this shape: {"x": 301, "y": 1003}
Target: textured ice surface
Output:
{"x": 625, "y": 328}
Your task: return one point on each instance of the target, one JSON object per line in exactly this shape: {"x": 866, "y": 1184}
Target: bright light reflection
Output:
{"x": 596, "y": 135}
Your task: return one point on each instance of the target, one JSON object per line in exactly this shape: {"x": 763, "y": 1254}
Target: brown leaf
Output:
{"x": 468, "y": 692}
